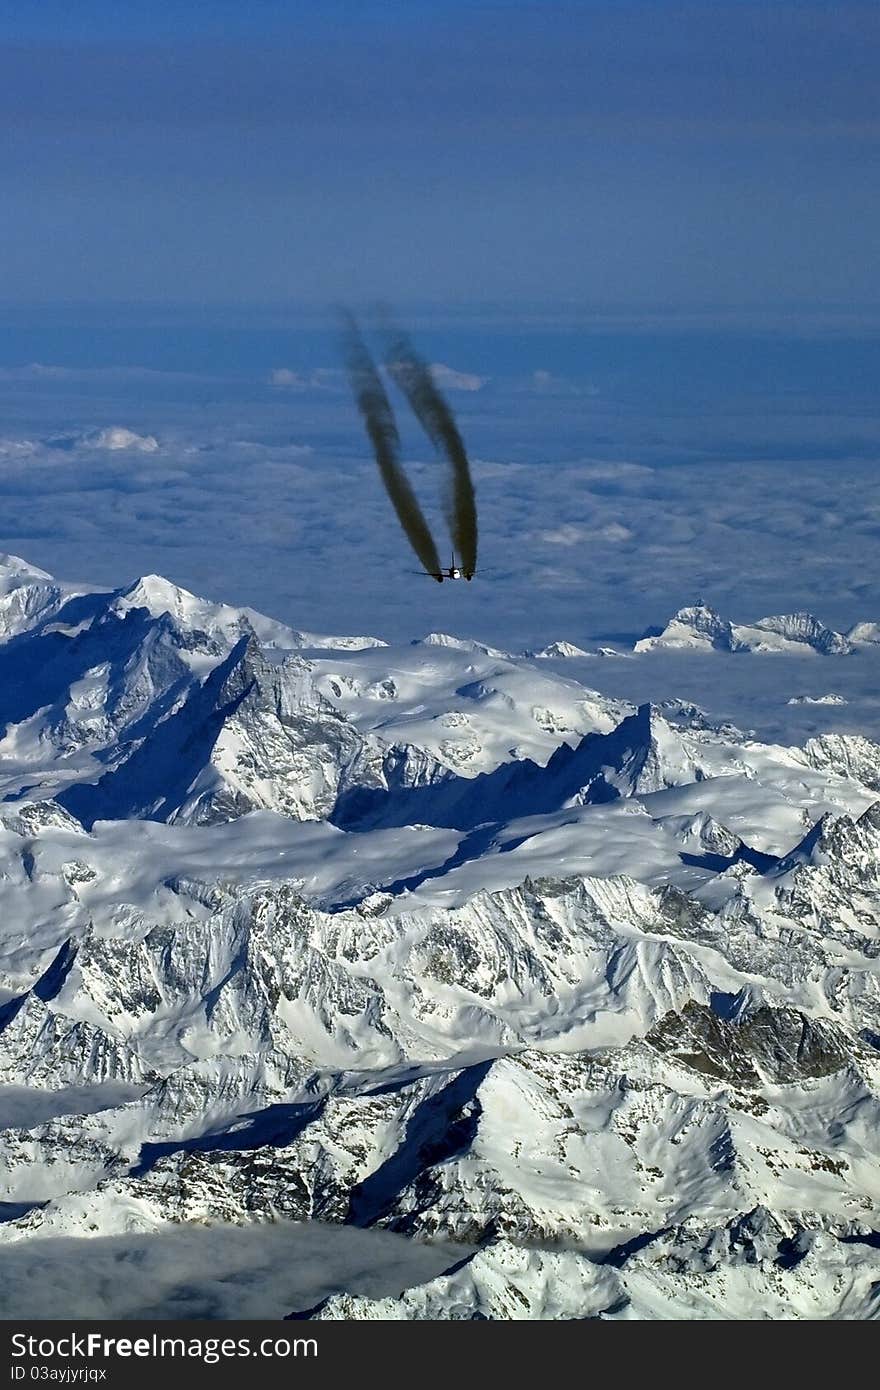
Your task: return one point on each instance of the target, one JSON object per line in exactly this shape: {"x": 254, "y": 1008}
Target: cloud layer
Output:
{"x": 219, "y": 1272}
{"x": 603, "y": 509}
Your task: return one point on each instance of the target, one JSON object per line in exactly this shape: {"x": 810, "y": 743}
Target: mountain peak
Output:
{"x": 864, "y": 632}
{"x": 115, "y": 437}
{"x": 645, "y": 754}
{"x": 458, "y": 644}
{"x": 806, "y": 629}
{"x": 556, "y": 651}
{"x": 14, "y": 572}
{"x": 699, "y": 627}
{"x": 159, "y": 595}
{"x": 839, "y": 840}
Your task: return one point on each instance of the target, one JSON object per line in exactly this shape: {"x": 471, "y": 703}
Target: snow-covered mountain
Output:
{"x": 557, "y": 651}
{"x": 433, "y": 940}
{"x": 701, "y": 628}
{"x": 864, "y": 632}
{"x": 112, "y": 438}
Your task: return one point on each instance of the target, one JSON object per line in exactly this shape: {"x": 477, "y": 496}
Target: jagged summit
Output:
{"x": 848, "y": 755}
{"x": 698, "y": 626}
{"x": 811, "y": 849}
{"x": 702, "y": 628}
{"x": 646, "y": 754}
{"x": 225, "y": 623}
{"x": 804, "y": 628}
{"x": 252, "y": 735}
{"x": 839, "y": 840}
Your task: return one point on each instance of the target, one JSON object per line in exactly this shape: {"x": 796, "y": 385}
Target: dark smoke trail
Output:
{"x": 375, "y": 407}
{"x": 413, "y": 376}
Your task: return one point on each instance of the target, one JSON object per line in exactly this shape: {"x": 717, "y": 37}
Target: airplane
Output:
{"x": 453, "y": 572}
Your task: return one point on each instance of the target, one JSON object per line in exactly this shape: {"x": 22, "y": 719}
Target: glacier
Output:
{"x": 566, "y": 1003}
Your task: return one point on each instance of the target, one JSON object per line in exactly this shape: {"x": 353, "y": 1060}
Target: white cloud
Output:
{"x": 321, "y": 379}
{"x": 51, "y": 374}
{"x": 549, "y": 384}
{"x": 615, "y": 533}
{"x": 283, "y": 376}
{"x": 575, "y": 536}
{"x": 17, "y": 448}
{"x": 448, "y": 379}
{"x": 36, "y": 371}
{"x": 602, "y": 470}
{"x": 563, "y": 535}
{"x": 217, "y": 1272}
{"x": 571, "y": 535}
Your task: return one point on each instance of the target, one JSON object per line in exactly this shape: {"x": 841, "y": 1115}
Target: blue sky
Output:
{"x": 683, "y": 153}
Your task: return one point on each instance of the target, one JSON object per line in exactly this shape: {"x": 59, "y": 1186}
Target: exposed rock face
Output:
{"x": 766, "y": 1045}
{"x": 849, "y": 755}
{"x": 253, "y": 735}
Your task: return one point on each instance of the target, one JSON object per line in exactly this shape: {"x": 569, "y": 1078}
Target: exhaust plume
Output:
{"x": 375, "y": 408}
{"x": 413, "y": 376}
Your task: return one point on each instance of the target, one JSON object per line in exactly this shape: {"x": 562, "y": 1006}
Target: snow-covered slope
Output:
{"x": 28, "y": 595}
{"x": 864, "y": 632}
{"x": 150, "y": 701}
{"x": 750, "y": 1268}
{"x": 437, "y": 941}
